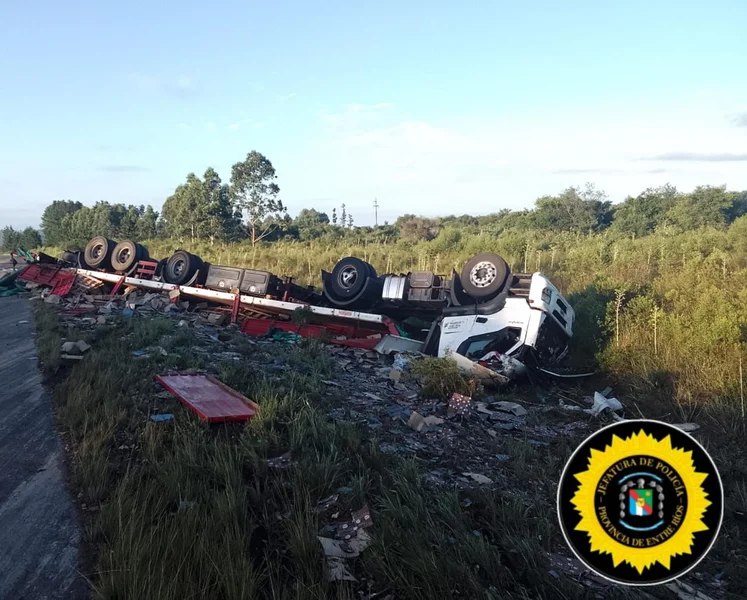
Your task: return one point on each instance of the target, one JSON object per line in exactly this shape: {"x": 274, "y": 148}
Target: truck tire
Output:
{"x": 484, "y": 276}
{"x": 181, "y": 267}
{"x": 160, "y": 268}
{"x": 349, "y": 277}
{"x": 98, "y": 252}
{"x": 126, "y": 255}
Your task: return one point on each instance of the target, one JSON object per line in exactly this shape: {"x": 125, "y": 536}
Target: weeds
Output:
{"x": 441, "y": 377}
{"x": 186, "y": 510}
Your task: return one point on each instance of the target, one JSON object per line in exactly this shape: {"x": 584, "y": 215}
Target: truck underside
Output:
{"x": 485, "y": 313}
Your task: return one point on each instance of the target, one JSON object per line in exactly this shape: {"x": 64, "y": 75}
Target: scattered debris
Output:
{"x": 215, "y": 318}
{"x": 350, "y": 539}
{"x": 160, "y": 418}
{"x": 280, "y": 462}
{"x": 337, "y": 570}
{"x": 684, "y": 591}
{"x": 420, "y": 423}
{"x": 484, "y": 375}
{"x": 394, "y": 343}
{"x": 601, "y": 404}
{"x": 349, "y": 548}
{"x": 459, "y": 404}
{"x": 512, "y": 407}
{"x": 83, "y": 346}
{"x": 687, "y": 427}
{"x": 481, "y": 479}
{"x": 186, "y": 505}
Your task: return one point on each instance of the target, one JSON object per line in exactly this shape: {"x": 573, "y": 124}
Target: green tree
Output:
{"x": 184, "y": 212}
{"x": 147, "y": 225}
{"x": 30, "y": 238}
{"x": 311, "y": 223}
{"x": 577, "y": 210}
{"x": 128, "y": 225}
{"x": 11, "y": 238}
{"x": 254, "y": 191}
{"x": 641, "y": 215}
{"x": 221, "y": 221}
{"x": 738, "y": 207}
{"x": 52, "y": 220}
{"x": 706, "y": 206}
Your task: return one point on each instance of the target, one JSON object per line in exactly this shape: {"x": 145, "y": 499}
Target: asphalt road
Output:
{"x": 39, "y": 530}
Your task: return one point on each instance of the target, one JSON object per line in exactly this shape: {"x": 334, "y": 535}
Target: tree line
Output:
{"x": 249, "y": 207}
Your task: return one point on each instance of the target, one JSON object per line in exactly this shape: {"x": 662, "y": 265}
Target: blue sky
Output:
{"x": 431, "y": 107}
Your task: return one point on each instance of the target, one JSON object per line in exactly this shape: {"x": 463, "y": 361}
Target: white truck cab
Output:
{"x": 532, "y": 316}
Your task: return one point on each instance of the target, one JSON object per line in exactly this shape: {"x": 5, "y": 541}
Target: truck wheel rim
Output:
{"x": 123, "y": 255}
{"x": 97, "y": 251}
{"x": 347, "y": 277}
{"x": 483, "y": 274}
{"x": 179, "y": 267}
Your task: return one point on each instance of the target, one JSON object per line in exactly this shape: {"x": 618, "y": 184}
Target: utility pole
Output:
{"x": 376, "y": 212}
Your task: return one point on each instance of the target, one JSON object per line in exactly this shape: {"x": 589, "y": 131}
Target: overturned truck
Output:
{"x": 485, "y": 313}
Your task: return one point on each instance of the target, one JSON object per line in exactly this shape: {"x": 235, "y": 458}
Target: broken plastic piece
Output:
{"x": 162, "y": 417}
{"x": 601, "y": 404}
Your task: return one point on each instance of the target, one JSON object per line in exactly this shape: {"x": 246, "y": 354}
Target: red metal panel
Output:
{"x": 63, "y": 283}
{"x": 59, "y": 279}
{"x": 365, "y": 343}
{"x": 260, "y": 327}
{"x": 212, "y": 400}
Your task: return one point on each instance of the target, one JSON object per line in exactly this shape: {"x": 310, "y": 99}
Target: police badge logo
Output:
{"x": 640, "y": 502}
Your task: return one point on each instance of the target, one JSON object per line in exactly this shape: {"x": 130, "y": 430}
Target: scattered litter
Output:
{"x": 71, "y": 357}
{"x": 78, "y": 347}
{"x": 280, "y": 462}
{"x": 350, "y": 548}
{"x": 327, "y": 503}
{"x": 687, "y": 427}
{"x": 459, "y": 404}
{"x": 127, "y": 313}
{"x": 162, "y": 417}
{"x": 350, "y": 540}
{"x": 337, "y": 570}
{"x": 401, "y": 362}
{"x": 601, "y": 404}
{"x": 486, "y": 376}
{"x": 286, "y": 336}
{"x": 394, "y": 343}
{"x": 217, "y": 318}
{"x": 420, "y": 423}
{"x": 83, "y": 346}
{"x": 22, "y": 322}
{"x": 684, "y": 591}
{"x": 186, "y": 505}
{"x": 512, "y": 407}
{"x": 481, "y": 479}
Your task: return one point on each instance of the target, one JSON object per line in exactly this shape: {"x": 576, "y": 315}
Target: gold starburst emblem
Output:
{"x": 640, "y": 502}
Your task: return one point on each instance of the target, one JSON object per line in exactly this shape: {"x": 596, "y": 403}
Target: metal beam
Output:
{"x": 277, "y": 307}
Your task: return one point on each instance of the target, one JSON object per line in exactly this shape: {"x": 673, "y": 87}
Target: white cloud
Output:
{"x": 465, "y": 165}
